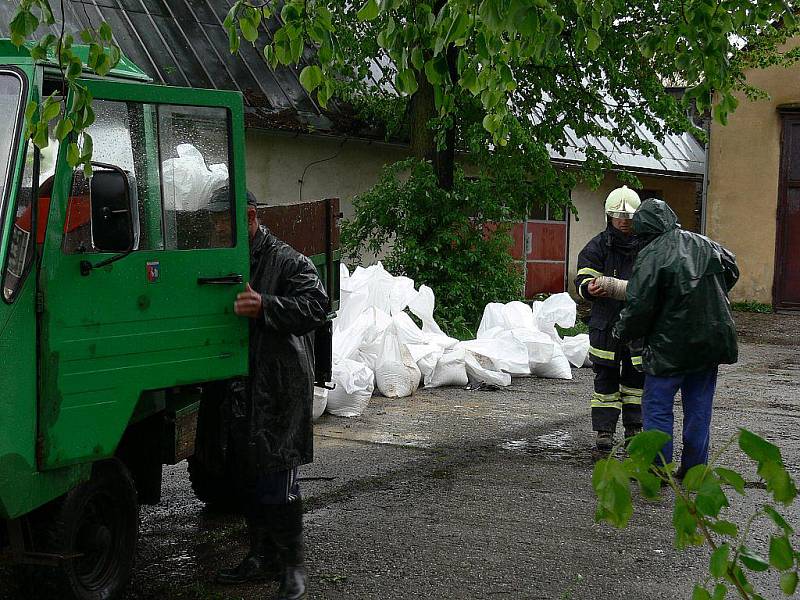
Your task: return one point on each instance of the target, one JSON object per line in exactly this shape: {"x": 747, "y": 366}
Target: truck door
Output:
{"x": 155, "y": 311}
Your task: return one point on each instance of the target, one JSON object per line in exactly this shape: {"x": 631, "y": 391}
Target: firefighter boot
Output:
{"x": 259, "y": 564}
{"x": 604, "y": 442}
{"x": 287, "y": 531}
{"x": 631, "y": 431}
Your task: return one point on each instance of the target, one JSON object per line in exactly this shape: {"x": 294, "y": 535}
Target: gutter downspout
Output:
{"x": 704, "y": 198}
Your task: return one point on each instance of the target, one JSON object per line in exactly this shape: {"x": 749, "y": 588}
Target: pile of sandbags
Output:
{"x": 379, "y": 348}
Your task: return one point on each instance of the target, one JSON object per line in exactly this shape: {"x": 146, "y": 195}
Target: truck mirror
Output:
{"x": 114, "y": 209}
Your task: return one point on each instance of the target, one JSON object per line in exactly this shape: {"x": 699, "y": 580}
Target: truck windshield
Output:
{"x": 10, "y": 98}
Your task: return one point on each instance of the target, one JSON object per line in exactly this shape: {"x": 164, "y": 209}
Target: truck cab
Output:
{"x": 116, "y": 316}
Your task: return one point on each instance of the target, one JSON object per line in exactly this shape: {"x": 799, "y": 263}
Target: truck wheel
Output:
{"x": 97, "y": 523}
{"x": 217, "y": 490}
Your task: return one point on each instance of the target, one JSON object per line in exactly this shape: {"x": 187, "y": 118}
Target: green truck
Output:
{"x": 116, "y": 318}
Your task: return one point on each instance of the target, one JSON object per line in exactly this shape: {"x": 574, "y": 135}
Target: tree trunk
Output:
{"x": 423, "y": 138}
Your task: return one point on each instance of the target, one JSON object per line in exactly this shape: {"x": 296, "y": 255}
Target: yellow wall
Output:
{"x": 680, "y": 194}
{"x": 744, "y": 163}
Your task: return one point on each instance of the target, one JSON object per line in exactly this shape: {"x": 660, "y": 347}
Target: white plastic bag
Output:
{"x": 557, "y": 368}
{"x": 558, "y": 309}
{"x": 493, "y": 321}
{"x": 320, "y": 402}
{"x": 354, "y": 383}
{"x": 540, "y": 346}
{"x": 407, "y": 330}
{"x": 506, "y": 353}
{"x": 401, "y": 294}
{"x": 451, "y": 369}
{"x": 477, "y": 373}
{"x": 396, "y": 374}
{"x": 426, "y": 356}
{"x": 576, "y": 348}
{"x": 518, "y": 315}
{"x": 422, "y": 306}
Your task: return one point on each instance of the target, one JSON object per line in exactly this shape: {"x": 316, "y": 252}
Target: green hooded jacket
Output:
{"x": 677, "y": 298}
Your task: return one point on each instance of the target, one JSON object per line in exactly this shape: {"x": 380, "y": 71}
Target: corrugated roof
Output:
{"x": 183, "y": 43}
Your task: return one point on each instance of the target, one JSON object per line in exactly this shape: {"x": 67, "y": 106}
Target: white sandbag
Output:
{"x": 401, "y": 294}
{"x": 320, "y": 402}
{"x": 354, "y": 383}
{"x": 518, "y": 315}
{"x": 396, "y": 374}
{"x": 407, "y": 330}
{"x": 576, "y": 349}
{"x": 477, "y": 373}
{"x": 540, "y": 346}
{"x": 558, "y": 309}
{"x": 188, "y": 183}
{"x": 422, "y": 306}
{"x": 426, "y": 356}
{"x": 346, "y": 342}
{"x": 557, "y": 368}
{"x": 506, "y": 353}
{"x": 493, "y": 321}
{"x": 344, "y": 273}
{"x": 450, "y": 370}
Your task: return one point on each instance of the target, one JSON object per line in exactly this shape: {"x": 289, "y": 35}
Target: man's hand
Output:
{"x": 248, "y": 303}
{"x": 595, "y": 290}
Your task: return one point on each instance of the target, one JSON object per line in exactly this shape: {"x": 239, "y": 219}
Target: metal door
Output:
{"x": 162, "y": 315}
{"x": 545, "y": 253}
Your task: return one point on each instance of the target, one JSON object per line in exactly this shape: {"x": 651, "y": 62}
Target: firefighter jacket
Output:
{"x": 609, "y": 253}
{"x": 272, "y": 417}
{"x": 677, "y": 299}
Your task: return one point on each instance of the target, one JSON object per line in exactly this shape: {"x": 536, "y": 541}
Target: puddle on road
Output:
{"x": 557, "y": 445}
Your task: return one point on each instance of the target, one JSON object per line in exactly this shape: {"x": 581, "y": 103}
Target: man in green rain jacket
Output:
{"x": 677, "y": 300}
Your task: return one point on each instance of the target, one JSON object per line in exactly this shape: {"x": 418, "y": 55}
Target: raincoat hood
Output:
{"x": 654, "y": 217}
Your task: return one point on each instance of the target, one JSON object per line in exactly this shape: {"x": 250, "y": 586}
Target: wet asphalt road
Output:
{"x": 454, "y": 494}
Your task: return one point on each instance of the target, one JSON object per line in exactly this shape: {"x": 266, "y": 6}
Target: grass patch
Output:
{"x": 752, "y": 306}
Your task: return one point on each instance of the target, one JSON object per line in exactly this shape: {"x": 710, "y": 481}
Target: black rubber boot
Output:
{"x": 260, "y": 563}
{"x": 287, "y": 533}
{"x": 604, "y": 442}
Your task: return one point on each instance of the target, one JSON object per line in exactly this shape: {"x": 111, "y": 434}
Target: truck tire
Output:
{"x": 217, "y": 490}
{"x": 98, "y": 523}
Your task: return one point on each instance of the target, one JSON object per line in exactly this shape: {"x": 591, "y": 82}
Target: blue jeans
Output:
{"x": 697, "y": 394}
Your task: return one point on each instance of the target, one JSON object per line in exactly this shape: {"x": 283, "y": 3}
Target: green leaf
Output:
{"x": 778, "y": 519}
{"x": 789, "y": 583}
{"x": 311, "y": 77}
{"x": 22, "y": 26}
{"x": 88, "y": 147}
{"x": 417, "y": 59}
{"x": 433, "y": 71}
{"x": 700, "y": 593}
{"x": 50, "y": 110}
{"x": 695, "y": 477}
{"x": 40, "y": 136}
{"x": 249, "y": 32}
{"x": 406, "y": 82}
{"x": 685, "y": 525}
{"x": 105, "y": 32}
{"x": 73, "y": 155}
{"x": 758, "y": 448}
{"x": 753, "y": 561}
{"x": 732, "y": 478}
{"x": 31, "y": 109}
{"x": 593, "y": 43}
{"x": 369, "y": 11}
{"x": 720, "y": 591}
{"x": 710, "y": 498}
{"x": 63, "y": 128}
{"x": 644, "y": 447}
{"x": 781, "y": 555}
{"x": 718, "y": 565}
{"x": 609, "y": 478}
{"x": 724, "y": 528}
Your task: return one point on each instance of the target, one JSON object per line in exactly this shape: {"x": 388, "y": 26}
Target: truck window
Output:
{"x": 10, "y": 99}
{"x": 194, "y": 148}
{"x": 123, "y": 135}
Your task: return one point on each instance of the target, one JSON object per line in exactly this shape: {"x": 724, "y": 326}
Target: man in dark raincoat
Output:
{"x": 677, "y": 299}
{"x": 618, "y": 381}
{"x": 273, "y": 432}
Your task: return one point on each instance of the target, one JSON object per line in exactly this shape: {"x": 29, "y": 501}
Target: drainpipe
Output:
{"x": 704, "y": 198}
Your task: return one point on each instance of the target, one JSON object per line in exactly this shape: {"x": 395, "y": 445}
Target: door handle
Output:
{"x": 231, "y": 279}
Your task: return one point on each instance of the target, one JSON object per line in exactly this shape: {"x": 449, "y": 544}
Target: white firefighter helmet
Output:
{"x": 622, "y": 203}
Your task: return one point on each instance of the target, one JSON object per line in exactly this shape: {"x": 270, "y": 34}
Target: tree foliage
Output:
{"x": 700, "y": 501}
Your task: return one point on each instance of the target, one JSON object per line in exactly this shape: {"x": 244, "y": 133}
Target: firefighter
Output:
{"x": 618, "y": 381}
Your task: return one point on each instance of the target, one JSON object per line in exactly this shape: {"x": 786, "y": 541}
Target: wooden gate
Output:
{"x": 786, "y": 290}
{"x": 545, "y": 252}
